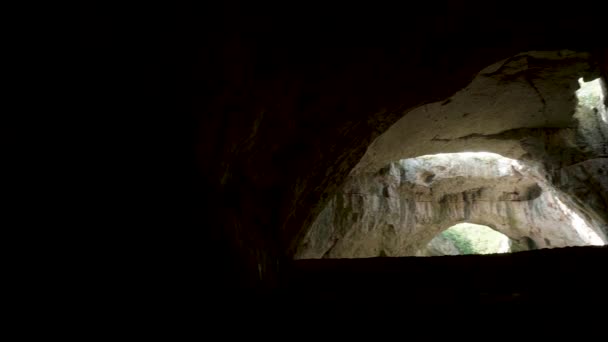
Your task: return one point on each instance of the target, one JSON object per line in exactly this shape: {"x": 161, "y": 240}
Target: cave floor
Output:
{"x": 571, "y": 275}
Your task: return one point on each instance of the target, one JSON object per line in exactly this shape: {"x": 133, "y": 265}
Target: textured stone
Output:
{"x": 529, "y": 96}
{"x": 532, "y": 107}
{"x": 526, "y": 108}
{"x": 277, "y": 111}
{"x": 398, "y": 210}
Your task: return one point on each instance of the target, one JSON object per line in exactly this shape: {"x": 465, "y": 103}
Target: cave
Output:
{"x": 469, "y": 238}
{"x": 271, "y": 117}
{"x": 390, "y": 206}
{"x": 399, "y": 209}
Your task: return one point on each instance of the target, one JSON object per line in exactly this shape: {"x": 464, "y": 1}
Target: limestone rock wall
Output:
{"x": 529, "y": 97}
{"x": 262, "y": 110}
{"x": 534, "y": 107}
{"x": 401, "y": 208}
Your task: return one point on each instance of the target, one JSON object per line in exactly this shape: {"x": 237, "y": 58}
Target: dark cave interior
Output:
{"x": 264, "y": 111}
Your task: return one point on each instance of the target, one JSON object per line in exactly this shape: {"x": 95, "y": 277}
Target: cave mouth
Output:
{"x": 404, "y": 209}
{"x": 590, "y": 99}
{"x": 469, "y": 238}
{"x": 521, "y": 149}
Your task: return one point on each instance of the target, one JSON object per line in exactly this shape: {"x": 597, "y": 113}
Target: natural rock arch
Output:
{"x": 466, "y": 234}
{"x": 523, "y": 107}
{"x": 530, "y": 96}
{"x": 396, "y": 211}
{"x": 277, "y": 114}
{"x": 263, "y": 110}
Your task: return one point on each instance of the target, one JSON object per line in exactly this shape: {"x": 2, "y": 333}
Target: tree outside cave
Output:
{"x": 468, "y": 238}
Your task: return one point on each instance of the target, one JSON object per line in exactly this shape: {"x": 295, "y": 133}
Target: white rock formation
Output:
{"x": 400, "y": 209}
{"x": 536, "y": 108}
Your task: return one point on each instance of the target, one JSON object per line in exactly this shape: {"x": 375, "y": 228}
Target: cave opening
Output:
{"x": 277, "y": 112}
{"x": 469, "y": 238}
{"x": 590, "y": 99}
{"x": 521, "y": 149}
{"x": 519, "y": 208}
{"x": 404, "y": 209}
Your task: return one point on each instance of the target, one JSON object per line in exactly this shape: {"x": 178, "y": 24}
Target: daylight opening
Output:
{"x": 543, "y": 184}
{"x": 591, "y": 100}
{"x": 468, "y": 238}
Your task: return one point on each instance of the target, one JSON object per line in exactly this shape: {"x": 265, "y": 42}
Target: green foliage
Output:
{"x": 589, "y": 100}
{"x": 475, "y": 239}
{"x": 463, "y": 244}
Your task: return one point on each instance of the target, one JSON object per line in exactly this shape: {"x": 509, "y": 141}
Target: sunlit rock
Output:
{"x": 400, "y": 209}
{"x": 542, "y": 112}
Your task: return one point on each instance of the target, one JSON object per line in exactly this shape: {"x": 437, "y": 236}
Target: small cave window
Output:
{"x": 469, "y": 238}
{"x": 590, "y": 101}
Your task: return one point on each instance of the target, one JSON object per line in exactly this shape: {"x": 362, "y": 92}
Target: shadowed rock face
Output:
{"x": 398, "y": 210}
{"x": 279, "y": 107}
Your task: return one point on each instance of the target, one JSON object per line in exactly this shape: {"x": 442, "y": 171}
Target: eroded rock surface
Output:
{"x": 398, "y": 210}
{"x": 534, "y": 106}
{"x": 440, "y": 245}
{"x": 528, "y": 108}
